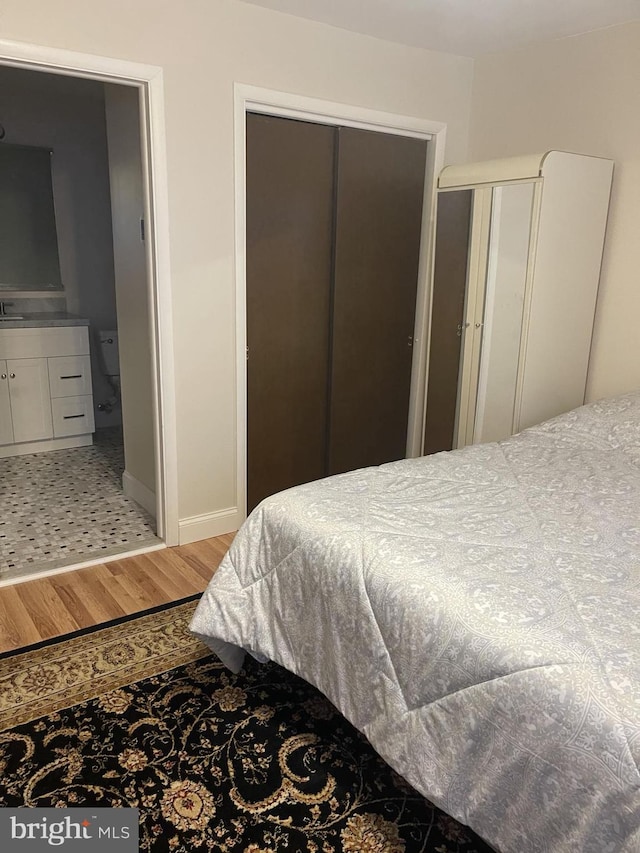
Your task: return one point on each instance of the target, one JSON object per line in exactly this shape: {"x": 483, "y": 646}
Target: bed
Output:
{"x": 476, "y": 614}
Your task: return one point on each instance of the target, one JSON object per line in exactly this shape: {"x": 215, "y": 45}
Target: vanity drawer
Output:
{"x": 70, "y": 376}
{"x": 72, "y": 415}
{"x": 42, "y": 342}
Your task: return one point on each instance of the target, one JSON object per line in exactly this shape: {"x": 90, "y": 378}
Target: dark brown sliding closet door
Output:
{"x": 380, "y": 185}
{"x": 449, "y": 288}
{"x": 289, "y": 258}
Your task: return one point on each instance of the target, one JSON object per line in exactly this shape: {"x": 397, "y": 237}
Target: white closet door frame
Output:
{"x": 287, "y": 105}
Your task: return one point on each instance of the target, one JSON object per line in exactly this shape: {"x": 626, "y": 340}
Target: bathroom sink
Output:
{"x": 4, "y": 318}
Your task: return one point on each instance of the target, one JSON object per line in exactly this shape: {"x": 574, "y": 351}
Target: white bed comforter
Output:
{"x": 476, "y": 614}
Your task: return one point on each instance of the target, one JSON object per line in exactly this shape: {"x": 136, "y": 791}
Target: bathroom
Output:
{"x": 87, "y": 490}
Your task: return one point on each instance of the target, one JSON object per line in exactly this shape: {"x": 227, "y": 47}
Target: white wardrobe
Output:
{"x": 519, "y": 246}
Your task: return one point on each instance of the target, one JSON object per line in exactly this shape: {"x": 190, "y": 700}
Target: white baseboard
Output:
{"x": 138, "y": 492}
{"x": 211, "y": 524}
{"x": 44, "y": 446}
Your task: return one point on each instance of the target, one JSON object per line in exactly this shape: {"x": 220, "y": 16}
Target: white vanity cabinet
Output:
{"x": 46, "y": 399}
{"x": 518, "y": 251}
{"x": 6, "y": 422}
{"x": 27, "y": 380}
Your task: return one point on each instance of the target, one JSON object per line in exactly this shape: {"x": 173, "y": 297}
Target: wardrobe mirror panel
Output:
{"x": 479, "y": 292}
{"x": 502, "y": 317}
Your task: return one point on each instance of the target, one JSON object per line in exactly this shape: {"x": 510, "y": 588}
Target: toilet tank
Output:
{"x": 109, "y": 348}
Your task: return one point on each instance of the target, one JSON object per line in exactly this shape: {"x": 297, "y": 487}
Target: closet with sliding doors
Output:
{"x": 518, "y": 251}
{"x": 333, "y": 228}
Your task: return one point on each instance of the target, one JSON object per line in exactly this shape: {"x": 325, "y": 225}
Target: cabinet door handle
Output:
{"x": 75, "y": 376}
{"x": 12, "y": 376}
{"x": 70, "y": 417}
{"x": 4, "y": 375}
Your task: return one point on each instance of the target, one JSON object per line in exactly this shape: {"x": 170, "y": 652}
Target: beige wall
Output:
{"x": 580, "y": 94}
{"x": 203, "y": 47}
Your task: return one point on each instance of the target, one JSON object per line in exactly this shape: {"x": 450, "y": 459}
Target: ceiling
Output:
{"x": 465, "y": 27}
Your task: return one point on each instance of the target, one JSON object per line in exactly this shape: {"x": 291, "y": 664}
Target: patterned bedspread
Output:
{"x": 476, "y": 614}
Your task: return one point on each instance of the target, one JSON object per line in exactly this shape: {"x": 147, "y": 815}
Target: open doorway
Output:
{"x": 69, "y": 502}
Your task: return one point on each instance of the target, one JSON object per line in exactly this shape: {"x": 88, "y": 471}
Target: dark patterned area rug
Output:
{"x": 140, "y": 714}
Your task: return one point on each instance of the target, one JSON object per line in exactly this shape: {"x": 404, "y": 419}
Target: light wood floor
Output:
{"x": 49, "y": 607}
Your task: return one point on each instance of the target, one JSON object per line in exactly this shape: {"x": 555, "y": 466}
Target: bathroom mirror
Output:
{"x": 28, "y": 239}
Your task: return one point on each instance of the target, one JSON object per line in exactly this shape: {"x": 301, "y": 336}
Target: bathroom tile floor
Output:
{"x": 67, "y": 506}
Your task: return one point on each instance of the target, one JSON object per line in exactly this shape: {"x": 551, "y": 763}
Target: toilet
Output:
{"x": 110, "y": 366}
{"x": 110, "y": 358}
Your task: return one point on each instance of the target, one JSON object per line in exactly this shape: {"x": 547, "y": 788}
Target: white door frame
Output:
{"x": 148, "y": 80}
{"x": 252, "y": 98}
